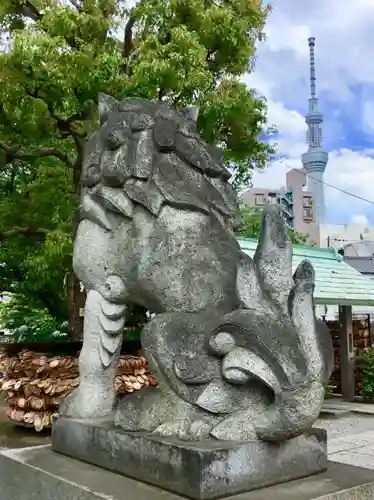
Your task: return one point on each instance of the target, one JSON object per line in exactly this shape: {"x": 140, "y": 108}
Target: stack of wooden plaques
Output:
{"x": 335, "y": 379}
{"x": 361, "y": 334}
{"x": 34, "y": 384}
{"x": 362, "y": 342}
{"x": 132, "y": 375}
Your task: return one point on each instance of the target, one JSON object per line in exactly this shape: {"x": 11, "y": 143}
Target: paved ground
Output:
{"x": 350, "y": 439}
{"x": 18, "y": 437}
{"x": 355, "y": 407}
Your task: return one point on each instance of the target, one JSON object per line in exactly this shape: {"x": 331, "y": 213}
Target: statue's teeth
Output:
{"x": 94, "y": 212}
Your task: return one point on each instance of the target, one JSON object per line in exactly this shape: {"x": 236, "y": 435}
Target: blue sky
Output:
{"x": 345, "y": 86}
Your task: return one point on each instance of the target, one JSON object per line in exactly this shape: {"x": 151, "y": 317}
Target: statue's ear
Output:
{"x": 107, "y": 104}
{"x": 191, "y": 112}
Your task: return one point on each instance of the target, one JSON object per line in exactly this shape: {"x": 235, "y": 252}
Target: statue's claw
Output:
{"x": 184, "y": 429}
{"x": 177, "y": 428}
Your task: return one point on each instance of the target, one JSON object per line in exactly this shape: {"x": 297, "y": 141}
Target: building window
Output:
{"x": 308, "y": 214}
{"x": 260, "y": 199}
{"x": 272, "y": 198}
{"x": 307, "y": 201}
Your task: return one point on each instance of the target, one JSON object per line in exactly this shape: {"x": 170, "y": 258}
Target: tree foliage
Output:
{"x": 29, "y": 322}
{"x": 250, "y": 226}
{"x": 365, "y": 367}
{"x": 35, "y": 241}
{"x": 58, "y": 55}
{"x": 63, "y": 53}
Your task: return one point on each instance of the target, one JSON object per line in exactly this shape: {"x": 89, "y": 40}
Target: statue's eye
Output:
{"x": 116, "y": 138}
{"x": 92, "y": 176}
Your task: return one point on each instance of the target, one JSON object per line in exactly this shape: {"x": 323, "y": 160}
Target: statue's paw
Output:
{"x": 87, "y": 402}
{"x": 199, "y": 429}
{"x": 177, "y": 428}
{"x": 184, "y": 429}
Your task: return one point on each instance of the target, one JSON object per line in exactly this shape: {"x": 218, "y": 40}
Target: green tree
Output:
{"x": 250, "y": 225}
{"x": 61, "y": 53}
{"x": 35, "y": 242}
{"x": 28, "y": 322}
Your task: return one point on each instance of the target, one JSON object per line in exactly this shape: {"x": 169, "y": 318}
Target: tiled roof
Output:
{"x": 364, "y": 265}
{"x": 336, "y": 281}
{"x": 363, "y": 248}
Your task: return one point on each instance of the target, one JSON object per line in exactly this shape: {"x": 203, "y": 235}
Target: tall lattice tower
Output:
{"x": 315, "y": 159}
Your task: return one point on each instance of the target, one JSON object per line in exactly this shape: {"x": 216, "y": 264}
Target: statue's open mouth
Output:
{"x": 101, "y": 200}
{"x": 93, "y": 211}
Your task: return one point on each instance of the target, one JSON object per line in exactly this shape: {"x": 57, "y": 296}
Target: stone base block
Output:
{"x": 39, "y": 473}
{"x": 200, "y": 471}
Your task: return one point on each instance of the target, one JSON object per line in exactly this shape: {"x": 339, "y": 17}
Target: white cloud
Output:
{"x": 368, "y": 115}
{"x": 359, "y": 219}
{"x": 343, "y": 32}
{"x": 288, "y": 122}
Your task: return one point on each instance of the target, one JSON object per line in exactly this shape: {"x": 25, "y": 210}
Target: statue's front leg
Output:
{"x": 103, "y": 328}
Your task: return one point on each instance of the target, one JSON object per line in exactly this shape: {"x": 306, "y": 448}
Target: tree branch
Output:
{"x": 28, "y": 9}
{"x": 128, "y": 44}
{"x": 12, "y": 153}
{"x": 64, "y": 125}
{"x": 79, "y": 144}
{"x": 39, "y": 234}
{"x": 15, "y": 154}
{"x": 161, "y": 93}
{"x": 77, "y": 165}
{"x": 77, "y": 5}
{"x": 210, "y": 59}
{"x": 66, "y": 128}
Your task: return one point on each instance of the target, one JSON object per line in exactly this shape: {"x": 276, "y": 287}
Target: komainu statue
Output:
{"x": 234, "y": 342}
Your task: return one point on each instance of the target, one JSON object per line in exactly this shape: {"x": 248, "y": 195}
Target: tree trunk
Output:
{"x": 75, "y": 296}
{"x": 52, "y": 303}
{"x": 75, "y": 306}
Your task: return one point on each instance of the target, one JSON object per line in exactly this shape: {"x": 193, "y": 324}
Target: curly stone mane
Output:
{"x": 150, "y": 154}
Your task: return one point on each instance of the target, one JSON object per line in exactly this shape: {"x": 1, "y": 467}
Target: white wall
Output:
{"x": 344, "y": 234}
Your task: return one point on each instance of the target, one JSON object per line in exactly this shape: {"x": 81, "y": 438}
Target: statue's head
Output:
{"x": 150, "y": 154}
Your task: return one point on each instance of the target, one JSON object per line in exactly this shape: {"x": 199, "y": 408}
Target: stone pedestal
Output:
{"x": 39, "y": 473}
{"x": 201, "y": 471}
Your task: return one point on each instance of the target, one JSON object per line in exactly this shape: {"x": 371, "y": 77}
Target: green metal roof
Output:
{"x": 337, "y": 283}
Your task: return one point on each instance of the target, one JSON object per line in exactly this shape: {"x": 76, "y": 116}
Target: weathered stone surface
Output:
{"x": 240, "y": 358}
{"x": 38, "y": 473}
{"x": 235, "y": 345}
{"x": 201, "y": 470}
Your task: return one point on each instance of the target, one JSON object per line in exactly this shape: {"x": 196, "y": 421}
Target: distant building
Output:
{"x": 298, "y": 206}
{"x": 315, "y": 159}
{"x": 360, "y": 256}
{"x": 302, "y": 199}
{"x": 340, "y": 236}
